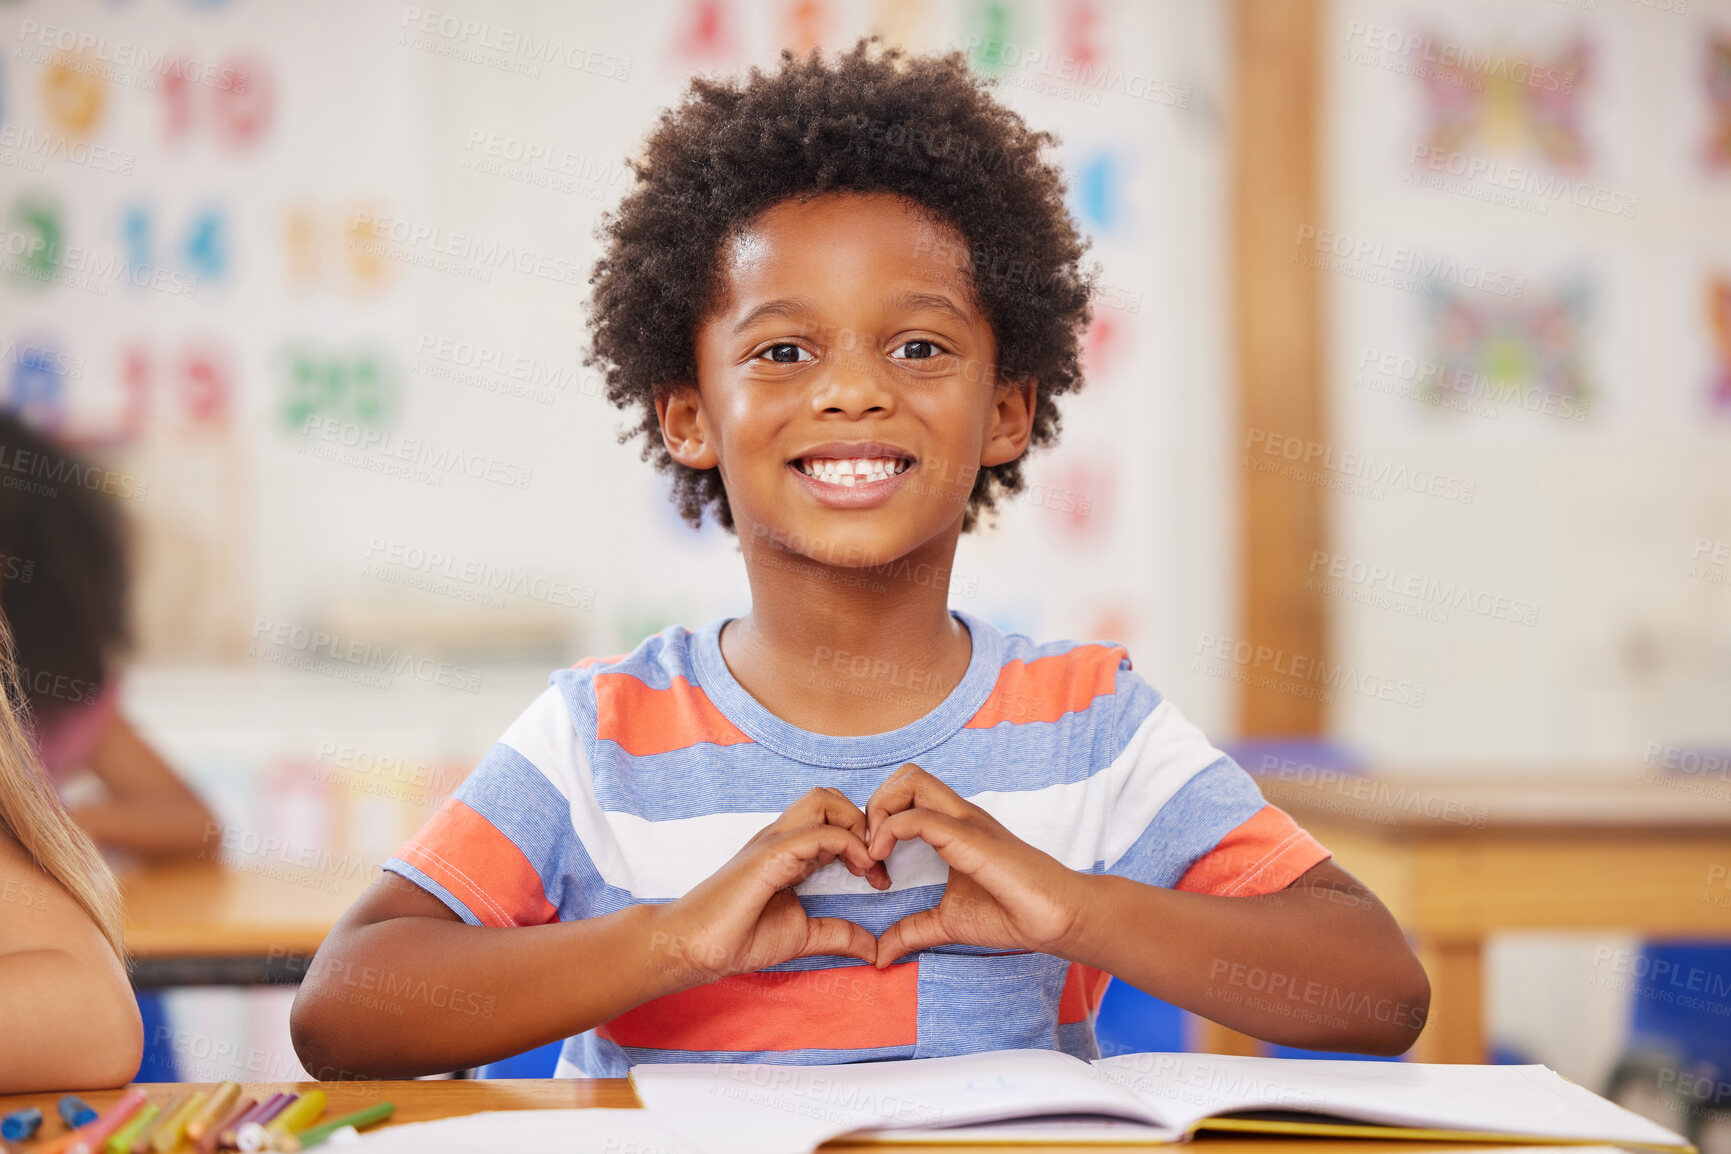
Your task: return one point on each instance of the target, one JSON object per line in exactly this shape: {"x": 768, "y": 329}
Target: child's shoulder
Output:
{"x": 1100, "y": 656}
{"x": 657, "y": 660}
{"x": 1047, "y": 680}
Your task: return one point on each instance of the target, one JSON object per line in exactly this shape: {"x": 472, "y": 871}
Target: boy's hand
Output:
{"x": 745, "y": 917}
{"x": 1002, "y": 891}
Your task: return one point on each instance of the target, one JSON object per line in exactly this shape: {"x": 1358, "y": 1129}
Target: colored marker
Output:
{"x": 250, "y": 1137}
{"x": 298, "y": 1116}
{"x": 21, "y": 1125}
{"x": 359, "y": 1120}
{"x": 213, "y": 1135}
{"x": 120, "y": 1142}
{"x": 172, "y": 1128}
{"x": 215, "y": 1110}
{"x": 75, "y": 1112}
{"x": 90, "y": 1137}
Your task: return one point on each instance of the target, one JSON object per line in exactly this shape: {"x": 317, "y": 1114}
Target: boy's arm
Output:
{"x": 402, "y": 987}
{"x": 1320, "y": 965}
{"x": 149, "y": 810}
{"x": 1324, "y": 944}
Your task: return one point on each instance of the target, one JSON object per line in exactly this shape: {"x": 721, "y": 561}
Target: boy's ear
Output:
{"x": 684, "y": 430}
{"x": 1012, "y": 421}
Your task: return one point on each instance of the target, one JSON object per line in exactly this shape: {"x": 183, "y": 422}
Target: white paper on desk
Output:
{"x": 765, "y": 1109}
{"x": 1527, "y": 1100}
{"x": 592, "y": 1131}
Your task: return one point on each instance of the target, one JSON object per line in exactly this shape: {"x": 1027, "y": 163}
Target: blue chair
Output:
{"x": 539, "y": 1063}
{"x": 1131, "y": 1022}
{"x": 158, "y": 1064}
{"x": 1681, "y": 1002}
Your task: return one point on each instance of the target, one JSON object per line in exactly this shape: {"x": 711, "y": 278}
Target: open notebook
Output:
{"x": 1027, "y": 1096}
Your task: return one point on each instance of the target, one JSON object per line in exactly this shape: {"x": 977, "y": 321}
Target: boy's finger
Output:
{"x": 942, "y": 832}
{"x": 796, "y": 853}
{"x": 906, "y": 788}
{"x": 824, "y": 806}
{"x": 919, "y": 931}
{"x": 839, "y": 937}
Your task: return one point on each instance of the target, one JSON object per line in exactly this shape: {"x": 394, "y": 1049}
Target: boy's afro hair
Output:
{"x": 874, "y": 120}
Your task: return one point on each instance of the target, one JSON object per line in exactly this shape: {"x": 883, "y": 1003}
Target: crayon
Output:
{"x": 74, "y": 1112}
{"x": 172, "y": 1128}
{"x": 16, "y": 1127}
{"x": 215, "y": 1110}
{"x": 230, "y": 1134}
{"x": 213, "y": 1134}
{"x": 250, "y": 1136}
{"x": 359, "y": 1119}
{"x": 139, "y": 1142}
{"x": 88, "y": 1139}
{"x": 120, "y": 1142}
{"x": 298, "y": 1116}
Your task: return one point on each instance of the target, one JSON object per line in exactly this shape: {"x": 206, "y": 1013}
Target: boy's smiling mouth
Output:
{"x": 855, "y": 464}
{"x": 853, "y": 474}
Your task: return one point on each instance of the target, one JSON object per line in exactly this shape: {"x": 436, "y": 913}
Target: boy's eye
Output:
{"x": 786, "y": 354}
{"x": 918, "y": 350}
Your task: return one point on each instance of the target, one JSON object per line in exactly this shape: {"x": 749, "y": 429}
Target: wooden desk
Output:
{"x": 425, "y": 1101}
{"x": 199, "y": 923}
{"x": 1457, "y": 858}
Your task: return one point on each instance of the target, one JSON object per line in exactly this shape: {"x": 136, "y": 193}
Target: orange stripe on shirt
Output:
{"x": 646, "y": 721}
{"x": 1047, "y": 688}
{"x": 843, "y": 1008}
{"x": 1265, "y": 854}
{"x": 1084, "y": 986}
{"x": 495, "y": 881}
{"x": 588, "y": 661}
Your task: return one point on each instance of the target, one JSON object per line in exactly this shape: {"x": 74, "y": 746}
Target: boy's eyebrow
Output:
{"x": 791, "y": 308}
{"x": 937, "y": 302}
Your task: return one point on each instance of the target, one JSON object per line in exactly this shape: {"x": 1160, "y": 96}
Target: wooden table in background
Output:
{"x": 203, "y": 924}
{"x": 426, "y": 1101}
{"x": 1458, "y": 857}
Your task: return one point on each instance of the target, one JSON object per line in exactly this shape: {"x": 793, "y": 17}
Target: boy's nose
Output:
{"x": 852, "y": 387}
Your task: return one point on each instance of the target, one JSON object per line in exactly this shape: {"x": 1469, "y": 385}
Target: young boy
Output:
{"x": 851, "y": 824}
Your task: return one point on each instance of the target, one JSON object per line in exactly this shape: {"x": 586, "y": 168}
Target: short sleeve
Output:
{"x": 1186, "y": 816}
{"x": 502, "y": 850}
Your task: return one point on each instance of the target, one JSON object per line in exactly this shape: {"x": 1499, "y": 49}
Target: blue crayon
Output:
{"x": 74, "y": 1112}
{"x": 17, "y": 1127}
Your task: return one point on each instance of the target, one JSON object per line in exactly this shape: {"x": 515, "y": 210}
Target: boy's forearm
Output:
{"x": 1314, "y": 966}
{"x": 412, "y": 996}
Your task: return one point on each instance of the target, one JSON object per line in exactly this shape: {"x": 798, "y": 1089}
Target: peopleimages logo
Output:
{"x": 1409, "y": 268}
{"x": 1475, "y": 65}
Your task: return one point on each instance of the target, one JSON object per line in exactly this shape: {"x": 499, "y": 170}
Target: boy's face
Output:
{"x": 847, "y": 387}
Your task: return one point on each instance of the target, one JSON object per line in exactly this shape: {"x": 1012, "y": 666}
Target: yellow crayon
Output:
{"x": 171, "y": 1129}
{"x": 298, "y": 1116}
{"x": 139, "y": 1143}
{"x": 120, "y": 1142}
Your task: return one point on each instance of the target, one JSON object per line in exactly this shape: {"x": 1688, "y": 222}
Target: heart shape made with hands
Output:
{"x": 1000, "y": 891}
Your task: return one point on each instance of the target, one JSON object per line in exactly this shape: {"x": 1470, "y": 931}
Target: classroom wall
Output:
{"x": 1556, "y": 176}
{"x": 1526, "y": 271}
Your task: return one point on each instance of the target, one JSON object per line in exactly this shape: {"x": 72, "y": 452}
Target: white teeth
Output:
{"x": 852, "y": 471}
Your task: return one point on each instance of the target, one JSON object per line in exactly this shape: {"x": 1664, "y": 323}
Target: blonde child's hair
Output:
{"x": 31, "y": 812}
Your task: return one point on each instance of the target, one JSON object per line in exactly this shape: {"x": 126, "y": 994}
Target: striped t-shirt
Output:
{"x": 633, "y": 778}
